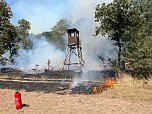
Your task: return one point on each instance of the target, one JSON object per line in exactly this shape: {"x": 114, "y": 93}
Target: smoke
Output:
{"x": 38, "y": 57}
{"x": 43, "y": 14}
{"x": 93, "y": 46}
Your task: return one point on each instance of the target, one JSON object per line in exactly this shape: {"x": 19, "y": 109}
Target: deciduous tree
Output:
{"x": 115, "y": 18}
{"x": 8, "y": 34}
{"x": 57, "y": 33}
{"x": 23, "y": 33}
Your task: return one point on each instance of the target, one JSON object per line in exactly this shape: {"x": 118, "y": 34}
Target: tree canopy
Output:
{"x": 128, "y": 23}
{"x": 57, "y": 33}
{"x": 12, "y": 37}
{"x": 8, "y": 34}
{"x": 115, "y": 18}
{"x": 23, "y": 33}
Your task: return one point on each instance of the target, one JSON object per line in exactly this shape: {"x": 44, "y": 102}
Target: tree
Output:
{"x": 146, "y": 9}
{"x": 115, "y": 18}
{"x": 8, "y": 41}
{"x": 59, "y": 30}
{"x": 138, "y": 51}
{"x": 57, "y": 33}
{"x": 5, "y": 15}
{"x": 23, "y": 33}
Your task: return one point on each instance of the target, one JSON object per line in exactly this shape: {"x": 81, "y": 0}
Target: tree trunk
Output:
{"x": 119, "y": 53}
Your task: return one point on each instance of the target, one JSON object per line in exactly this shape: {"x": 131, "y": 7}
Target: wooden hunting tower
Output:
{"x": 73, "y": 37}
{"x": 73, "y": 47}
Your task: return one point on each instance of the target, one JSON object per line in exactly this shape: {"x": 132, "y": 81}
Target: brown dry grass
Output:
{"x": 129, "y": 81}
{"x": 129, "y": 88}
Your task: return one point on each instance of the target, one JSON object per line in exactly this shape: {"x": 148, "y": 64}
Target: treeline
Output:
{"x": 129, "y": 24}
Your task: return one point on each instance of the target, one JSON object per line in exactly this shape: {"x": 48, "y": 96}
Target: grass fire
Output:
{"x": 74, "y": 57}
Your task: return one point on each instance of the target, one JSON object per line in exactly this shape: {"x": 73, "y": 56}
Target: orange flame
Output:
{"x": 109, "y": 83}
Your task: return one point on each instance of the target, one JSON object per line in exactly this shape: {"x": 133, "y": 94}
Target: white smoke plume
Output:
{"x": 93, "y": 46}
{"x": 37, "y": 58}
{"x": 43, "y": 14}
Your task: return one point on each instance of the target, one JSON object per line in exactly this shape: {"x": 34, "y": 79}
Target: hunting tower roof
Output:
{"x": 72, "y": 30}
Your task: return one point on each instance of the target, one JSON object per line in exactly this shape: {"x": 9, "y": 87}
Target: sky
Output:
{"x": 43, "y": 14}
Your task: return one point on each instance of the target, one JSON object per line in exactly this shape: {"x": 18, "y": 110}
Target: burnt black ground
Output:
{"x": 34, "y": 86}
{"x": 61, "y": 80}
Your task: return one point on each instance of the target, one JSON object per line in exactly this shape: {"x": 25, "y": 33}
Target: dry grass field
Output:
{"x": 129, "y": 96}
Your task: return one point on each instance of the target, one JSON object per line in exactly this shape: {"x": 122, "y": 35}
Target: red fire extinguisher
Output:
{"x": 18, "y": 101}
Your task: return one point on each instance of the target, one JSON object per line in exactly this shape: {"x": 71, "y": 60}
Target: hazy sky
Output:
{"x": 43, "y": 14}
